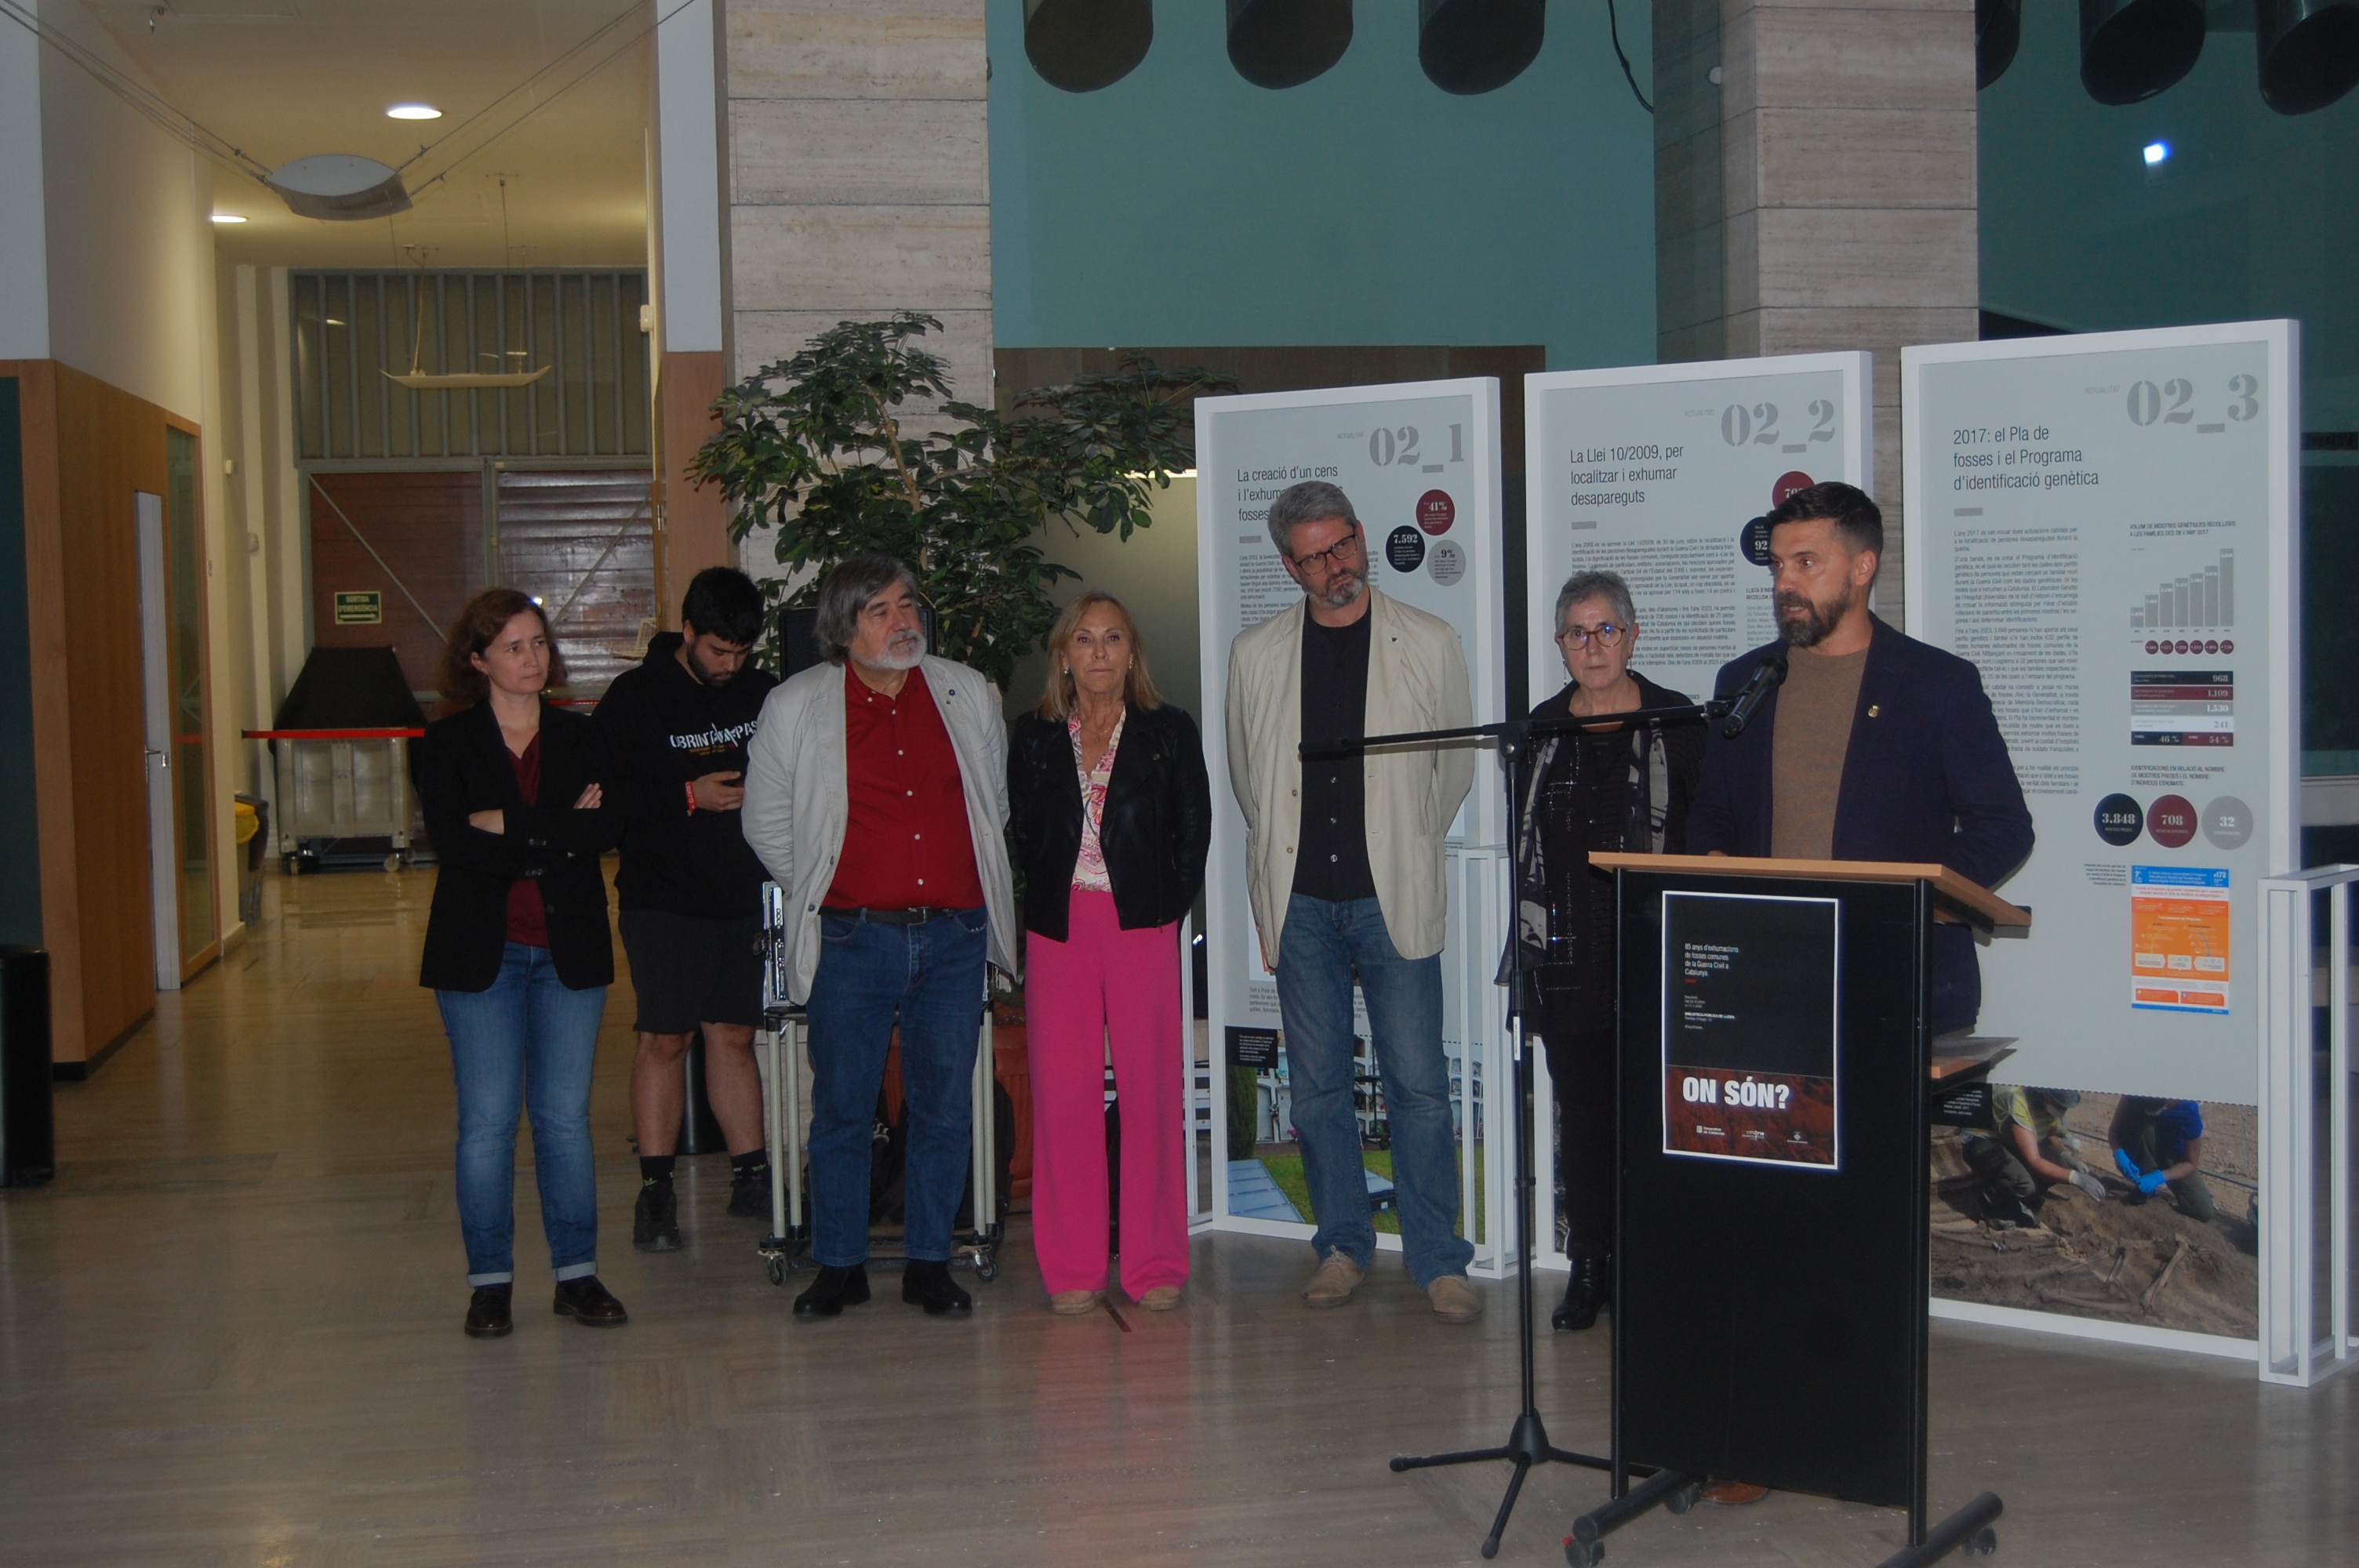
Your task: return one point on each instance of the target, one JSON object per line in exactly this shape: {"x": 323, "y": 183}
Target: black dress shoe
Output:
{"x": 589, "y": 1304}
{"x": 1589, "y": 1288}
{"x": 929, "y": 1285}
{"x": 487, "y": 1312}
{"x": 834, "y": 1290}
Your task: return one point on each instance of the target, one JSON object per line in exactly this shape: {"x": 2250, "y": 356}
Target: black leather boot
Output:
{"x": 834, "y": 1290}
{"x": 1589, "y": 1288}
{"x": 929, "y": 1285}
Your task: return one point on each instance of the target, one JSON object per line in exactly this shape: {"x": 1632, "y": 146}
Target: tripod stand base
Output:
{"x": 1528, "y": 1445}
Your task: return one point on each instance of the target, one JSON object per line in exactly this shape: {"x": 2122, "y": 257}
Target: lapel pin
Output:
{"x": 1873, "y": 709}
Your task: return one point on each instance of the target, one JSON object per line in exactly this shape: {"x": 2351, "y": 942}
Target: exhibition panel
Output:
{"x": 1657, "y": 472}
{"x": 2105, "y": 525}
{"x": 1421, "y": 463}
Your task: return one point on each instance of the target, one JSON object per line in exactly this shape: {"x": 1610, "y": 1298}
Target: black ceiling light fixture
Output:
{"x": 2131, "y": 50}
{"x": 1285, "y": 43}
{"x": 1998, "y": 33}
{"x": 1478, "y": 46}
{"x": 1083, "y": 45}
{"x": 2307, "y": 52}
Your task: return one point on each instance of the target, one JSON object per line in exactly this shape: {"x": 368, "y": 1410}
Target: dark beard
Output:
{"x": 1818, "y": 622}
{"x": 704, "y": 676}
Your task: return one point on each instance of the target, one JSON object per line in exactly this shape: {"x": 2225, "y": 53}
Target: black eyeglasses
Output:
{"x": 1342, "y": 552}
{"x": 1608, "y": 635}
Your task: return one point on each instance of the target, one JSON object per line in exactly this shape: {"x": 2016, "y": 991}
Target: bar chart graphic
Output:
{"x": 2207, "y": 598}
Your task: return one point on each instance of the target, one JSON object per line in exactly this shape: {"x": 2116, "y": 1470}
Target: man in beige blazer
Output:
{"x": 1343, "y": 859}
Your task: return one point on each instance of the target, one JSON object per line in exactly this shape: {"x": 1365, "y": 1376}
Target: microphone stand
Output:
{"x": 1528, "y": 1441}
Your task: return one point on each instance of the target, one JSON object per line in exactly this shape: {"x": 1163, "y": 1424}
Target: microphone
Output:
{"x": 1766, "y": 676}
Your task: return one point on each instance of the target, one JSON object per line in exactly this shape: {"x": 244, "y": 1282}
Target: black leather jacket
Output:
{"x": 1157, "y": 829}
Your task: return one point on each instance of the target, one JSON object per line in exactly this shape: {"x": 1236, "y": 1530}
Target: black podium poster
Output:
{"x": 1749, "y": 1028}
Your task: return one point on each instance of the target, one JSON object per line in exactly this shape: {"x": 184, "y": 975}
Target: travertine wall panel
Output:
{"x": 1849, "y": 193}
{"x": 859, "y": 175}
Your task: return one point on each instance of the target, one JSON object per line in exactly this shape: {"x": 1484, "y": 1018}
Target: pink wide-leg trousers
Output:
{"x": 1105, "y": 984}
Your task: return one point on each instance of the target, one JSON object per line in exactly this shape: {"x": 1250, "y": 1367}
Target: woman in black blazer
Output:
{"x": 517, "y": 946}
{"x": 1111, "y": 815}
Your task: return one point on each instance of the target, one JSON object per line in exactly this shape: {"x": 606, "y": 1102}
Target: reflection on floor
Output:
{"x": 229, "y": 1335}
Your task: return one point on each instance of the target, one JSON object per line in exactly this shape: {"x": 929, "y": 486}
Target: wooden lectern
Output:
{"x": 1777, "y": 1064}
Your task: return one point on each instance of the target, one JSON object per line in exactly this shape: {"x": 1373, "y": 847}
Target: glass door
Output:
{"x": 171, "y": 585}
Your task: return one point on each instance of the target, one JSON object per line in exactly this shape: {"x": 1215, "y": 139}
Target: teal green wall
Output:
{"x": 1182, "y": 205}
{"x": 2255, "y": 215}
{"x": 20, "y": 852}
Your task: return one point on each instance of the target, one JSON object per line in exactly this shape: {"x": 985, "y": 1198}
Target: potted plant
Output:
{"x": 832, "y": 453}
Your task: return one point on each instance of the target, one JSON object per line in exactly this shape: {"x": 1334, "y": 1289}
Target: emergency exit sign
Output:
{"x": 365, "y": 607}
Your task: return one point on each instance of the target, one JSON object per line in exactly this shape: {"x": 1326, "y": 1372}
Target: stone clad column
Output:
{"x": 858, "y": 179}
{"x": 1849, "y": 194}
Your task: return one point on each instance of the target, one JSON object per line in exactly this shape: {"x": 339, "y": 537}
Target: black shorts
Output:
{"x": 689, "y": 969}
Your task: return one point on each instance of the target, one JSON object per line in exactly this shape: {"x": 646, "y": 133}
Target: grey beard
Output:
{"x": 1818, "y": 624}
{"x": 1342, "y": 591}
{"x": 902, "y": 654}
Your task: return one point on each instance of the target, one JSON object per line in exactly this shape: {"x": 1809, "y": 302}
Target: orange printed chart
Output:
{"x": 2178, "y": 938}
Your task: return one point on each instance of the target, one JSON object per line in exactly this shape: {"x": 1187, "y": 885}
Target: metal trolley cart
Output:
{"x": 782, "y": 1041}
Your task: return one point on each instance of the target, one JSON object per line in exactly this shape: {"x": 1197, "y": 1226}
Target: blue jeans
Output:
{"x": 929, "y": 978}
{"x": 529, "y": 1040}
{"x": 1322, "y": 945}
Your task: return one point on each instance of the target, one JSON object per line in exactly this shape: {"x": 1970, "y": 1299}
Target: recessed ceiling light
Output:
{"x": 413, "y": 112}
{"x": 2156, "y": 152}
{"x": 227, "y": 218}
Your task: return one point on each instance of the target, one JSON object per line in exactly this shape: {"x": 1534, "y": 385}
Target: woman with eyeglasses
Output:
{"x": 1604, "y": 787}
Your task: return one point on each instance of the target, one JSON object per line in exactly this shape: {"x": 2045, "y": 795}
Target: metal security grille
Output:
{"x": 351, "y": 330}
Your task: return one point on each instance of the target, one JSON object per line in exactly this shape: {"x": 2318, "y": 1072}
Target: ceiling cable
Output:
{"x": 143, "y": 99}
{"x": 602, "y": 61}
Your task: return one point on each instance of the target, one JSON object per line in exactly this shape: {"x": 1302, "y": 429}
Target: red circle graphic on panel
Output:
{"x": 2171, "y": 820}
{"x": 1787, "y": 483}
{"x": 1436, "y": 512}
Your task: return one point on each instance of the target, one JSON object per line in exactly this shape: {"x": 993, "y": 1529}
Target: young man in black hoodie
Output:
{"x": 691, "y": 891}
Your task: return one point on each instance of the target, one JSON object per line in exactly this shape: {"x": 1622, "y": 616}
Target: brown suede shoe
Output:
{"x": 589, "y": 1304}
{"x": 1333, "y": 1285}
{"x": 1453, "y": 1299}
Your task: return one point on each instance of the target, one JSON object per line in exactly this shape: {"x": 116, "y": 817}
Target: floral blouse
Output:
{"x": 1090, "y": 866}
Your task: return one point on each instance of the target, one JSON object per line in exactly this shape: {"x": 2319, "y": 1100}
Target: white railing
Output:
{"x": 2306, "y": 1196}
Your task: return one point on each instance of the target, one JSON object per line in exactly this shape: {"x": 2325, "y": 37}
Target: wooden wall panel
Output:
{"x": 88, "y": 448}
{"x": 695, "y": 521}
{"x": 428, "y": 527}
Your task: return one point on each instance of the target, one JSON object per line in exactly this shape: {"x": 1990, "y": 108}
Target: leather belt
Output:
{"x": 888, "y": 916}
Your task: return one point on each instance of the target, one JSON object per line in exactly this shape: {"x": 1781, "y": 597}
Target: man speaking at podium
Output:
{"x": 1874, "y": 747}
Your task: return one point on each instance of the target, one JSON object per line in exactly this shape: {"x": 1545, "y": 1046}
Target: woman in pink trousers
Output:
{"x": 1111, "y": 815}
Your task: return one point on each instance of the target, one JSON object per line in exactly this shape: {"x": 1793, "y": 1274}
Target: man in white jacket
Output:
{"x": 1343, "y": 860}
{"x": 875, "y": 797}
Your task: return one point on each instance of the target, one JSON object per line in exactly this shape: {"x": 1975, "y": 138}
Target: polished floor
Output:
{"x": 229, "y": 1335}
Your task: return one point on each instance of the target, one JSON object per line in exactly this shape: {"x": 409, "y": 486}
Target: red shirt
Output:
{"x": 527, "y": 917}
{"x": 905, "y": 840}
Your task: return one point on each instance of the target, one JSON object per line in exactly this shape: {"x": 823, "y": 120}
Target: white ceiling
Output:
{"x": 283, "y": 78}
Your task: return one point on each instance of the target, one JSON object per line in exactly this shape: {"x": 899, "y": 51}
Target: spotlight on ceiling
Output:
{"x": 2155, "y": 153}
{"x": 1083, "y": 45}
{"x": 227, "y": 218}
{"x": 340, "y": 187}
{"x": 1285, "y": 43}
{"x": 413, "y": 112}
{"x": 1478, "y": 46}
{"x": 1999, "y": 31}
{"x": 2309, "y": 52}
{"x": 2131, "y": 50}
